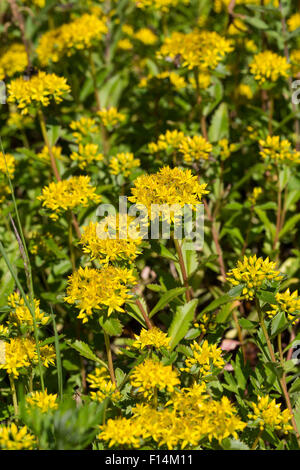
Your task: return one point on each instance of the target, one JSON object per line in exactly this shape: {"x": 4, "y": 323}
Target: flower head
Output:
{"x": 102, "y": 386}
{"x": 13, "y": 60}
{"x": 14, "y": 438}
{"x": 123, "y": 164}
{"x": 7, "y": 164}
{"x": 206, "y": 357}
{"x": 153, "y": 337}
{"x": 268, "y": 413}
{"x": 294, "y": 22}
{"x": 269, "y": 66}
{"x": 152, "y": 374}
{"x": 87, "y": 154}
{"x": 276, "y": 150}
{"x": 110, "y": 117}
{"x": 39, "y": 90}
{"x": 195, "y": 148}
{"x": 20, "y": 314}
{"x": 252, "y": 273}
{"x": 288, "y": 303}
{"x": 43, "y": 400}
{"x": 67, "y": 194}
{"x": 104, "y": 290}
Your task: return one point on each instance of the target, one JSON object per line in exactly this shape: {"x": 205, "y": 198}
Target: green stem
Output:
{"x": 46, "y": 140}
{"x": 14, "y": 394}
{"x": 109, "y": 359}
{"x": 183, "y": 270}
{"x": 257, "y": 439}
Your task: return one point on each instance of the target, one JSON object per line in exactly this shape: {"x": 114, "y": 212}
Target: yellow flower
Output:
{"x": 151, "y": 375}
{"x": 245, "y": 91}
{"x": 121, "y": 432}
{"x": 269, "y": 66}
{"x": 269, "y": 414}
{"x": 100, "y": 382}
{"x": 38, "y": 90}
{"x": 201, "y": 49}
{"x": 288, "y": 303}
{"x": 253, "y": 272}
{"x": 194, "y": 148}
{"x": 44, "y": 155}
{"x": 207, "y": 357}
{"x": 111, "y": 248}
{"x": 153, "y": 337}
{"x": 43, "y": 400}
{"x": 12, "y": 438}
{"x": 103, "y": 290}
{"x": 4, "y": 331}
{"x": 146, "y": 36}
{"x": 294, "y": 22}
{"x": 82, "y": 33}
{"x": 295, "y": 61}
{"x": 255, "y": 195}
{"x": 125, "y": 44}
{"x": 13, "y": 60}
{"x": 7, "y": 164}
{"x": 84, "y": 128}
{"x": 168, "y": 141}
{"x": 21, "y": 352}
{"x": 67, "y": 194}
{"x": 168, "y": 186}
{"x": 176, "y": 80}
{"x": 278, "y": 151}
{"x": 110, "y": 116}
{"x": 20, "y": 315}
{"x": 87, "y": 154}
{"x": 123, "y": 164}
{"x": 18, "y": 120}
{"x": 162, "y": 5}
{"x": 225, "y": 148}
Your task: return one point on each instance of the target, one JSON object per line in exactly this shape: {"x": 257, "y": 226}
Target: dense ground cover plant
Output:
{"x": 134, "y": 343}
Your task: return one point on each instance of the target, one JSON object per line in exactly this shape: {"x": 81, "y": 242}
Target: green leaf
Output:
{"x": 267, "y": 296}
{"x": 181, "y": 322}
{"x": 219, "y": 127}
{"x": 255, "y": 22}
{"x": 166, "y": 298}
{"x": 112, "y": 326}
{"x": 85, "y": 351}
{"x": 278, "y": 324}
{"x": 289, "y": 225}
{"x": 247, "y": 324}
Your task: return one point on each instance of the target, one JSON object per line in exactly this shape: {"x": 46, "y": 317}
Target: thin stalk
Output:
{"x": 14, "y": 394}
{"x": 215, "y": 236}
{"x": 257, "y": 439}
{"x": 144, "y": 313}
{"x": 70, "y": 239}
{"x": 239, "y": 333}
{"x": 183, "y": 270}
{"x": 46, "y": 140}
{"x": 109, "y": 359}
{"x": 58, "y": 357}
{"x": 282, "y": 381}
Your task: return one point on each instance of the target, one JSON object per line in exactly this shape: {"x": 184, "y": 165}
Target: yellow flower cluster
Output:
{"x": 84, "y": 128}
{"x": 168, "y": 141}
{"x": 146, "y": 36}
{"x": 102, "y": 385}
{"x": 102, "y": 290}
{"x": 189, "y": 417}
{"x": 269, "y": 66}
{"x": 162, "y": 5}
{"x": 38, "y": 90}
{"x": 67, "y": 194}
{"x": 44, "y": 155}
{"x": 294, "y": 22}
{"x": 153, "y": 338}
{"x": 104, "y": 242}
{"x": 12, "y": 438}
{"x": 278, "y": 150}
{"x": 152, "y": 375}
{"x": 13, "y": 60}
{"x": 206, "y": 358}
{"x": 201, "y": 49}
{"x": 82, "y": 33}
{"x": 21, "y": 352}
{"x": 7, "y": 164}
{"x": 226, "y": 149}
{"x": 42, "y": 400}
{"x": 268, "y": 412}
{"x": 288, "y": 303}
{"x": 245, "y": 91}
{"x": 253, "y": 272}
{"x": 110, "y": 117}
{"x": 255, "y": 195}
{"x": 38, "y": 3}
{"x": 4, "y": 330}
{"x": 295, "y": 61}
{"x": 18, "y": 120}
{"x": 176, "y": 80}
{"x": 194, "y": 148}
{"x": 87, "y": 154}
{"x": 20, "y": 315}
{"x": 168, "y": 186}
{"x": 123, "y": 164}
